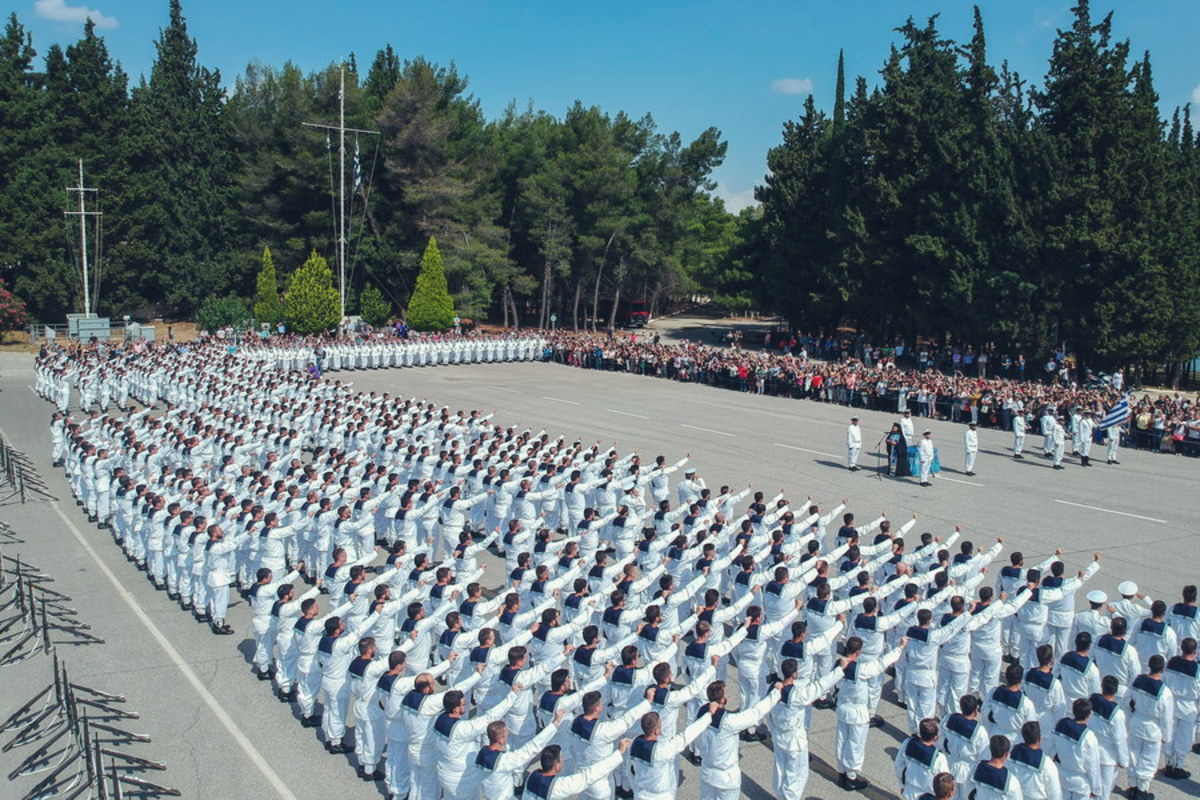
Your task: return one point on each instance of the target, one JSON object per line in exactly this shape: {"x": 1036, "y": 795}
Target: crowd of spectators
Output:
{"x": 951, "y": 384}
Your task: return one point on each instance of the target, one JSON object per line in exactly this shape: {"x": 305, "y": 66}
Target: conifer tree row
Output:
{"x": 956, "y": 202}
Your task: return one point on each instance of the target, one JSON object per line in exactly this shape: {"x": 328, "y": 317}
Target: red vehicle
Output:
{"x": 633, "y": 313}
{"x": 630, "y": 313}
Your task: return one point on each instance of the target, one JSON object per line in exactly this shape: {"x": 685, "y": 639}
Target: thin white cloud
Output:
{"x": 792, "y": 86}
{"x": 735, "y": 201}
{"x": 59, "y": 11}
{"x": 1196, "y": 95}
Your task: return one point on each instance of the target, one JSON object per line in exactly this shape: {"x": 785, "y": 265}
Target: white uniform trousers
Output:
{"x": 399, "y": 776}
{"x": 791, "y": 773}
{"x": 1060, "y": 638}
{"x": 850, "y": 747}
{"x": 333, "y": 718}
{"x": 308, "y": 684}
{"x": 709, "y": 793}
{"x": 922, "y": 703}
{"x": 1185, "y": 733}
{"x": 1143, "y": 761}
{"x": 985, "y": 671}
{"x": 1108, "y": 780}
{"x": 219, "y": 602}
{"x": 952, "y": 684}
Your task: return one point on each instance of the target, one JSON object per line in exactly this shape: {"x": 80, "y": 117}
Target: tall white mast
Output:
{"x": 83, "y": 214}
{"x": 342, "y": 187}
{"x": 342, "y": 130}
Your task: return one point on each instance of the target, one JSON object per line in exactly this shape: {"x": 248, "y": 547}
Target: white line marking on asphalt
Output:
{"x": 626, "y": 413}
{"x": 559, "y": 400}
{"x": 506, "y": 389}
{"x": 706, "y": 430}
{"x": 1111, "y": 511}
{"x": 958, "y": 480}
{"x": 177, "y": 659}
{"x": 806, "y": 450}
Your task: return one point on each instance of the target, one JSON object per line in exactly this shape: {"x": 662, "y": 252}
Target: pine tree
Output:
{"x": 312, "y": 304}
{"x": 267, "y": 306}
{"x": 375, "y": 310}
{"x": 182, "y": 193}
{"x": 431, "y": 307}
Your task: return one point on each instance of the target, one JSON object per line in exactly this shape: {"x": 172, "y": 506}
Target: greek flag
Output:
{"x": 1117, "y": 414}
{"x": 357, "y": 169}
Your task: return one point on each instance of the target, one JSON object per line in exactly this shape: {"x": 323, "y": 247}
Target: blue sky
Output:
{"x": 743, "y": 67}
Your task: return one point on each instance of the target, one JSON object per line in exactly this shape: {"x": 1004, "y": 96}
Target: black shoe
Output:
{"x": 857, "y": 784}
{"x": 823, "y": 702}
{"x": 1196, "y": 748}
{"x": 377, "y": 775}
{"x": 262, "y": 676}
{"x": 310, "y": 722}
{"x": 875, "y": 721}
{"x": 926, "y": 483}
{"x": 1018, "y": 455}
{"x": 1059, "y": 466}
{"x": 971, "y": 473}
{"x": 692, "y": 758}
{"x": 172, "y": 595}
{"x": 186, "y": 606}
{"x": 1176, "y": 773}
{"x": 340, "y": 749}
{"x": 222, "y": 630}
{"x": 843, "y": 781}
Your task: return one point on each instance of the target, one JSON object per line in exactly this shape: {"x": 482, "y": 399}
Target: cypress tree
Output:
{"x": 267, "y": 306}
{"x": 312, "y": 304}
{"x": 431, "y": 307}
{"x": 374, "y": 308}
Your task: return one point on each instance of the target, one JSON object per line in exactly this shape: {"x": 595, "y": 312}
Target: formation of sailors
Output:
{"x": 602, "y": 653}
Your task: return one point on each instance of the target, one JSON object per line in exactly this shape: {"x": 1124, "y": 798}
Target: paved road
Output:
{"x": 222, "y": 734}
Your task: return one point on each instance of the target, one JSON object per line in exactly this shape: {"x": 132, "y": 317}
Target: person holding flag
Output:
{"x": 1111, "y": 424}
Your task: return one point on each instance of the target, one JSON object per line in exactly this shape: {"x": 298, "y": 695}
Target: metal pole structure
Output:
{"x": 87, "y": 293}
{"x": 83, "y": 215}
{"x": 342, "y": 190}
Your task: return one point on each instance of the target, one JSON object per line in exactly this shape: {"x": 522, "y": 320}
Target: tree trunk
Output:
{"x": 516, "y": 317}
{"x": 575, "y": 305}
{"x": 547, "y": 278}
{"x": 504, "y": 302}
{"x": 612, "y": 312}
{"x": 599, "y": 276}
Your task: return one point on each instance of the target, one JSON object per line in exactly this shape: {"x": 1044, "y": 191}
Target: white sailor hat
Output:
{"x": 1097, "y": 596}
{"x": 1127, "y": 588}
{"x": 690, "y": 471}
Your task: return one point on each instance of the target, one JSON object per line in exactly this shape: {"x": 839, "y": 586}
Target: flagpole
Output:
{"x": 342, "y": 130}
{"x": 342, "y": 187}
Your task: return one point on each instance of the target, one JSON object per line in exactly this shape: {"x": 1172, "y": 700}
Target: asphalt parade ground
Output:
{"x": 222, "y": 734}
